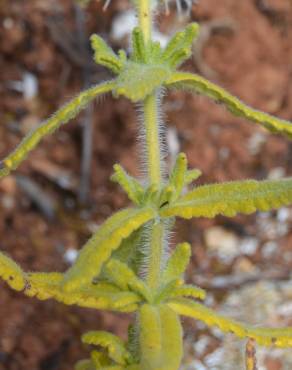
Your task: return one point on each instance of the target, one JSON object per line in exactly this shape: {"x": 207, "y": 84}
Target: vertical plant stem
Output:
{"x": 152, "y": 139}
{"x": 145, "y": 18}
{"x": 250, "y": 355}
{"x": 151, "y": 118}
{"x": 154, "y": 173}
{"x": 156, "y": 245}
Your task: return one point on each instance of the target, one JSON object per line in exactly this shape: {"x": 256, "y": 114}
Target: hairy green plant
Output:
{"x": 124, "y": 266}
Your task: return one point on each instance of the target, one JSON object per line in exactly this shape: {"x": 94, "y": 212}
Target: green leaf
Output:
{"x": 114, "y": 345}
{"x": 129, "y": 251}
{"x": 278, "y": 337}
{"x": 202, "y": 86}
{"x": 137, "y": 81}
{"x": 121, "y": 275}
{"x": 231, "y": 198}
{"x": 104, "y": 55}
{"x": 85, "y": 365}
{"x": 130, "y": 185}
{"x": 11, "y": 273}
{"x": 139, "y": 53}
{"x": 177, "y": 263}
{"x": 188, "y": 291}
{"x": 99, "y": 296}
{"x": 44, "y": 285}
{"x": 101, "y": 245}
{"x": 62, "y": 116}
{"x": 178, "y": 174}
{"x": 160, "y": 338}
{"x": 192, "y": 175}
{"x": 179, "y": 47}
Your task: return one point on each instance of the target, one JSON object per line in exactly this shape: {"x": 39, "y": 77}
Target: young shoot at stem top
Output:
{"x": 125, "y": 266}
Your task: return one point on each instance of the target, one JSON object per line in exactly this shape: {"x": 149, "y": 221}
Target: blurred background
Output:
{"x": 58, "y": 197}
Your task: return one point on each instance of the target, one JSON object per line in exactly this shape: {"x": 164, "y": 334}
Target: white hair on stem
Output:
{"x": 142, "y": 137}
{"x": 145, "y": 246}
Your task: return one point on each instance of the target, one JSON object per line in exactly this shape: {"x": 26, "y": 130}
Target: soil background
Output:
{"x": 44, "y": 62}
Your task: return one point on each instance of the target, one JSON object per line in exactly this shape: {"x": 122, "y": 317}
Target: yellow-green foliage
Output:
{"x": 102, "y": 295}
{"x": 105, "y": 56}
{"x": 138, "y": 80}
{"x": 124, "y": 266}
{"x": 179, "y": 47}
{"x": 62, "y": 116}
{"x": 202, "y": 86}
{"x": 160, "y": 338}
{"x": 100, "y": 246}
{"x": 188, "y": 291}
{"x": 263, "y": 336}
{"x": 121, "y": 275}
{"x": 178, "y": 174}
{"x": 177, "y": 263}
{"x": 114, "y": 345}
{"x": 231, "y": 198}
{"x": 11, "y": 273}
{"x": 130, "y": 185}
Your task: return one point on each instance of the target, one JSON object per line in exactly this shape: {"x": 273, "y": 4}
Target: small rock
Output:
{"x": 223, "y": 243}
{"x": 70, "y": 255}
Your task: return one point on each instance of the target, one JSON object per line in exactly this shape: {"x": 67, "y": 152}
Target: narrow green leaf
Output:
{"x": 192, "y": 175}
{"x": 188, "y": 291}
{"x": 178, "y": 174}
{"x": 231, "y": 198}
{"x": 114, "y": 345}
{"x": 130, "y": 185}
{"x": 166, "y": 195}
{"x": 180, "y": 46}
{"x": 62, "y": 116}
{"x": 177, "y": 263}
{"x": 160, "y": 338}
{"x": 100, "y": 296}
{"x": 104, "y": 55}
{"x": 278, "y": 337}
{"x": 129, "y": 250}
{"x": 138, "y": 46}
{"x": 151, "y": 194}
{"x": 100, "y": 246}
{"x": 11, "y": 273}
{"x": 121, "y": 275}
{"x": 202, "y": 86}
{"x": 85, "y": 365}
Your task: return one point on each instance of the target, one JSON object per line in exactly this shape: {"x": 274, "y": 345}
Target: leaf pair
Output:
{"x": 179, "y": 178}
{"x": 160, "y": 338}
{"x": 172, "y": 284}
{"x": 49, "y": 285}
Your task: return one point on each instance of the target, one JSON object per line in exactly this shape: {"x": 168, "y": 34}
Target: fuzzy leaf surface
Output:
{"x": 202, "y": 86}
{"x": 122, "y": 276}
{"x": 114, "y": 345}
{"x": 160, "y": 338}
{"x": 62, "y": 116}
{"x": 100, "y": 246}
{"x": 11, "y": 273}
{"x": 230, "y": 198}
{"x": 177, "y": 263}
{"x": 137, "y": 81}
{"x": 278, "y": 337}
{"x": 100, "y": 296}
